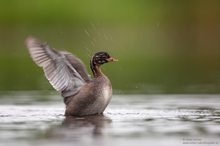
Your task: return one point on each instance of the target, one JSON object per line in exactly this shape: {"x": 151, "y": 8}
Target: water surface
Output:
{"x": 32, "y": 118}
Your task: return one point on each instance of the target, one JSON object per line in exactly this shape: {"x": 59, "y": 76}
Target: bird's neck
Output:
{"x": 96, "y": 70}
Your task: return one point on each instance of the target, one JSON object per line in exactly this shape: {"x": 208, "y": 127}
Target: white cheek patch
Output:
{"x": 101, "y": 61}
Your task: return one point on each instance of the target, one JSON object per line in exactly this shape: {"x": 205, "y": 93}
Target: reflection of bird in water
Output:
{"x": 95, "y": 124}
{"x": 80, "y": 130}
{"x": 68, "y": 75}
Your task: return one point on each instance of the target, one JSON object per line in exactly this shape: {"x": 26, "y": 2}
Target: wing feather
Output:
{"x": 58, "y": 70}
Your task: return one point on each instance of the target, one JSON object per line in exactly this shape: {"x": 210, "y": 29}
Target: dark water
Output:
{"x": 28, "y": 118}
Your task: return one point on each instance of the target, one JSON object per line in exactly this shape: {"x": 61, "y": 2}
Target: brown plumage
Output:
{"x": 68, "y": 75}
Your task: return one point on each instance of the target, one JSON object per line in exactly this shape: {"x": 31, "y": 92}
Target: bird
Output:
{"x": 82, "y": 94}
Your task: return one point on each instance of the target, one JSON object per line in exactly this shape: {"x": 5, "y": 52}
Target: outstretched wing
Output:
{"x": 78, "y": 65}
{"x": 57, "y": 68}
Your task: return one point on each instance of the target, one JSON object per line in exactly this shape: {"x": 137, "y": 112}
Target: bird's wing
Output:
{"x": 78, "y": 65}
{"x": 57, "y": 68}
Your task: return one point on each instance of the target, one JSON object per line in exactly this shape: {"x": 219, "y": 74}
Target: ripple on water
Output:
{"x": 135, "y": 119}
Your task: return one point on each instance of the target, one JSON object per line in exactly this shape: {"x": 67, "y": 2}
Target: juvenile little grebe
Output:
{"x": 68, "y": 75}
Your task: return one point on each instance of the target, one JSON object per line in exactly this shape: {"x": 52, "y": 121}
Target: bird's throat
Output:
{"x": 96, "y": 70}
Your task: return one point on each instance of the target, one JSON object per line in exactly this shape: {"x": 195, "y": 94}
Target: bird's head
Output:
{"x": 101, "y": 58}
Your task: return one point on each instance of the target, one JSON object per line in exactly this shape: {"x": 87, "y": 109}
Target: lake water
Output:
{"x": 33, "y": 118}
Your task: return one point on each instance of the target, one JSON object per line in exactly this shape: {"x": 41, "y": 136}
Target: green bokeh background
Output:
{"x": 163, "y": 46}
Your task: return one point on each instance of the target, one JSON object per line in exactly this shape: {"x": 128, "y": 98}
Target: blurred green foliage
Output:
{"x": 162, "y": 46}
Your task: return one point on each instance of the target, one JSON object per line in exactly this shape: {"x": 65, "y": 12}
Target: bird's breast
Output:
{"x": 106, "y": 92}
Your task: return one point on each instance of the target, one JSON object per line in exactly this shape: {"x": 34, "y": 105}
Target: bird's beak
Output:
{"x": 111, "y": 59}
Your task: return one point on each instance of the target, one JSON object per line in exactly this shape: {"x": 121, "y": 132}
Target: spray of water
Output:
{"x": 94, "y": 35}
